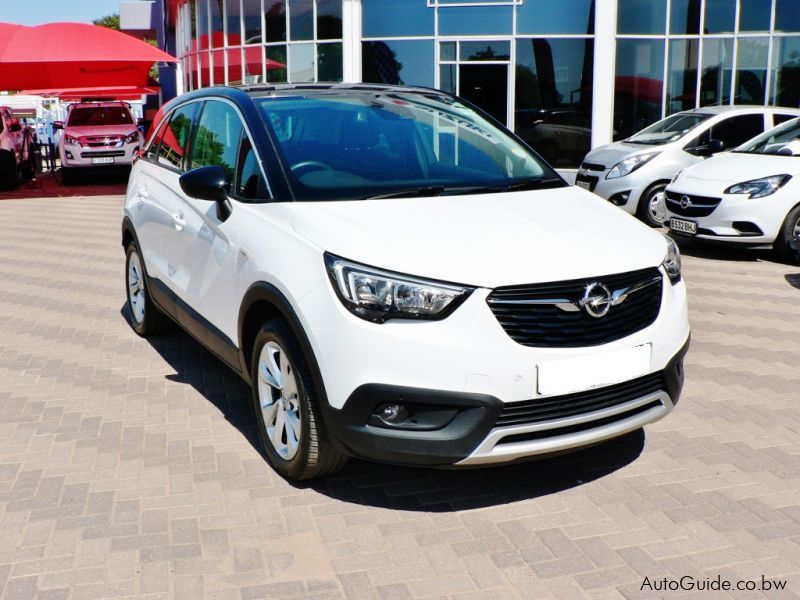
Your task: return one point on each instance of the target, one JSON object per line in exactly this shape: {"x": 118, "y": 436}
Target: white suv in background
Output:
{"x": 97, "y": 134}
{"x": 633, "y": 173}
{"x": 398, "y": 278}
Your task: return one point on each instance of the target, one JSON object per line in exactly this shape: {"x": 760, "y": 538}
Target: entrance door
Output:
{"x": 486, "y": 86}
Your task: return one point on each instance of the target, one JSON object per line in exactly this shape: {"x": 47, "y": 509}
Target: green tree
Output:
{"x": 109, "y": 21}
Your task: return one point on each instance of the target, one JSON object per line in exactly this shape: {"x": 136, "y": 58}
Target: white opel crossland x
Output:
{"x": 399, "y": 278}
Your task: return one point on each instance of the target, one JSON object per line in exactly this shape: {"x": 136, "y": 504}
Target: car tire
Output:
{"x": 286, "y": 407}
{"x": 787, "y": 244}
{"x": 647, "y": 210}
{"x": 145, "y": 317}
{"x": 8, "y": 170}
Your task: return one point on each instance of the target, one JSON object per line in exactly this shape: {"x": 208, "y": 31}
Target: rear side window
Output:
{"x": 778, "y": 118}
{"x": 175, "y": 137}
{"x": 216, "y": 138}
{"x": 735, "y": 131}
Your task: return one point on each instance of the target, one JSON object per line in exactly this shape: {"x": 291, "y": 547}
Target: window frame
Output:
{"x": 182, "y": 168}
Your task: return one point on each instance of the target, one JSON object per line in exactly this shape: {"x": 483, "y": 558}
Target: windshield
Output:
{"x": 99, "y": 115}
{"x": 356, "y": 145}
{"x": 668, "y": 130}
{"x": 784, "y": 140}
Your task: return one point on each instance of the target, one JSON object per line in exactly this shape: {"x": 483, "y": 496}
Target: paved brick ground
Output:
{"x": 127, "y": 467}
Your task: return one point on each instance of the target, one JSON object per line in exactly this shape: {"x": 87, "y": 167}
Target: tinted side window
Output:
{"x": 152, "y": 149}
{"x": 216, "y": 139}
{"x": 735, "y": 131}
{"x": 176, "y": 135}
{"x": 777, "y": 119}
{"x": 250, "y": 183}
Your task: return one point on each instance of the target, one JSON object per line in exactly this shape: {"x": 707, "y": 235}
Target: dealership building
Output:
{"x": 566, "y": 75}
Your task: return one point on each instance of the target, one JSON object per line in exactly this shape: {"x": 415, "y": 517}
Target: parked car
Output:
{"x": 748, "y": 197}
{"x": 633, "y": 173}
{"x": 16, "y": 150}
{"x": 398, "y": 278}
{"x": 558, "y": 135}
{"x": 97, "y": 135}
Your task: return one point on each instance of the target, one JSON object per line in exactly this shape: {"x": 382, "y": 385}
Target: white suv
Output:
{"x": 97, "y": 134}
{"x": 398, "y": 278}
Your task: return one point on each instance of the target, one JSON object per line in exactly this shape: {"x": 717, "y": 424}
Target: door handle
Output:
{"x": 178, "y": 221}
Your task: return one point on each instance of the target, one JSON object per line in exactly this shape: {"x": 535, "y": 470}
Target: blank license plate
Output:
{"x": 103, "y": 160}
{"x": 584, "y": 184}
{"x": 593, "y": 370}
{"x": 682, "y": 226}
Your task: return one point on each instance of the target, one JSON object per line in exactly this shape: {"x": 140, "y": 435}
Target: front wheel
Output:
{"x": 787, "y": 245}
{"x": 145, "y": 318}
{"x": 652, "y": 209}
{"x": 285, "y": 404}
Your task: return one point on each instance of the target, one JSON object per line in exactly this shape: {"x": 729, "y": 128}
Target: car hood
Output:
{"x": 611, "y": 154}
{"x": 91, "y": 130}
{"x": 485, "y": 240}
{"x": 733, "y": 167}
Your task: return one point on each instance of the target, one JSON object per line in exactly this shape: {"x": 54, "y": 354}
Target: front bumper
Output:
{"x": 82, "y": 157}
{"x": 623, "y": 192}
{"x": 483, "y": 430}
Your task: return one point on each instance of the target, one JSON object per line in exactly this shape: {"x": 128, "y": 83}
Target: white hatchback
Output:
{"x": 398, "y": 278}
{"x": 748, "y": 197}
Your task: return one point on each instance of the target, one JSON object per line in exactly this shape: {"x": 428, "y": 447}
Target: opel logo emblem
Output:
{"x": 596, "y": 300}
{"x": 686, "y": 202}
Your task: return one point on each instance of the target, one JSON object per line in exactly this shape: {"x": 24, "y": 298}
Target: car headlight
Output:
{"x": 377, "y": 295}
{"x": 758, "y": 188}
{"x": 630, "y": 164}
{"x": 672, "y": 262}
{"x": 131, "y": 138}
{"x": 71, "y": 141}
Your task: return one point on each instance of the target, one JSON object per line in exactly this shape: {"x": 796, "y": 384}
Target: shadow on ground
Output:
{"x": 89, "y": 183}
{"x": 396, "y": 487}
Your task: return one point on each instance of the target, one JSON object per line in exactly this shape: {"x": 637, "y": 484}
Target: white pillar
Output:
{"x": 351, "y": 40}
{"x": 605, "y": 46}
{"x": 180, "y": 86}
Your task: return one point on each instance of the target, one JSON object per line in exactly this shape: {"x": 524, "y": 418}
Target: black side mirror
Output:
{"x": 14, "y": 125}
{"x": 208, "y": 183}
{"x": 715, "y": 146}
{"x": 58, "y": 125}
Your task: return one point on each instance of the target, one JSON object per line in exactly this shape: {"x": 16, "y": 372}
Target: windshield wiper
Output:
{"x": 429, "y": 190}
{"x": 530, "y": 184}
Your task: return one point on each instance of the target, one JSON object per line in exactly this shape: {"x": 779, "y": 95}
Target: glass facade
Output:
{"x": 528, "y": 63}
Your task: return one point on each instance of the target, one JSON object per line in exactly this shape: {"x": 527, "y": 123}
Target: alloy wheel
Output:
{"x": 279, "y": 400}
{"x": 136, "y": 292}
{"x": 656, "y": 207}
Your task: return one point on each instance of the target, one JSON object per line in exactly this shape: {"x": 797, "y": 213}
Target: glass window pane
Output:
{"x": 447, "y": 78}
{"x": 485, "y": 51}
{"x": 202, "y": 24}
{"x": 685, "y": 17}
{"x": 216, "y": 139}
{"x": 409, "y": 62}
{"x": 754, "y": 15}
{"x": 787, "y": 15}
{"x": 720, "y": 16}
{"x": 301, "y": 62}
{"x": 638, "y": 85}
{"x": 276, "y": 64}
{"x": 301, "y": 19}
{"x": 193, "y": 25}
{"x": 250, "y": 183}
{"x": 234, "y": 66}
{"x": 329, "y": 19}
{"x": 564, "y": 16}
{"x": 252, "y": 21}
{"x": 173, "y": 143}
{"x": 275, "y": 20}
{"x": 641, "y": 16}
{"x": 217, "y": 27}
{"x": 329, "y": 61}
{"x": 751, "y": 71}
{"x": 682, "y": 81}
{"x": 380, "y": 18}
{"x": 253, "y": 65}
{"x": 233, "y": 20}
{"x": 735, "y": 131}
{"x": 447, "y": 51}
{"x": 553, "y": 111}
{"x": 217, "y": 67}
{"x": 715, "y": 79}
{"x": 785, "y": 72}
{"x": 475, "y": 20}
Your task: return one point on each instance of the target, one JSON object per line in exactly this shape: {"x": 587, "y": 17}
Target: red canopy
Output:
{"x": 73, "y": 55}
{"x": 116, "y": 92}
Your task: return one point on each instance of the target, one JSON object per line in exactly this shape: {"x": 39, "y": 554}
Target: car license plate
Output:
{"x": 584, "y": 184}
{"x": 681, "y": 226}
{"x": 593, "y": 370}
{"x": 103, "y": 160}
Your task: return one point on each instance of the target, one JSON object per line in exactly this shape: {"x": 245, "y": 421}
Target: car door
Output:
{"x": 211, "y": 248}
{"x": 158, "y": 203}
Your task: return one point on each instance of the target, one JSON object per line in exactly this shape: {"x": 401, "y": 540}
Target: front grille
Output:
{"x": 592, "y": 167}
{"x": 102, "y": 154}
{"x": 571, "y": 405}
{"x": 700, "y": 206}
{"x": 104, "y": 141}
{"x": 542, "y": 324}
